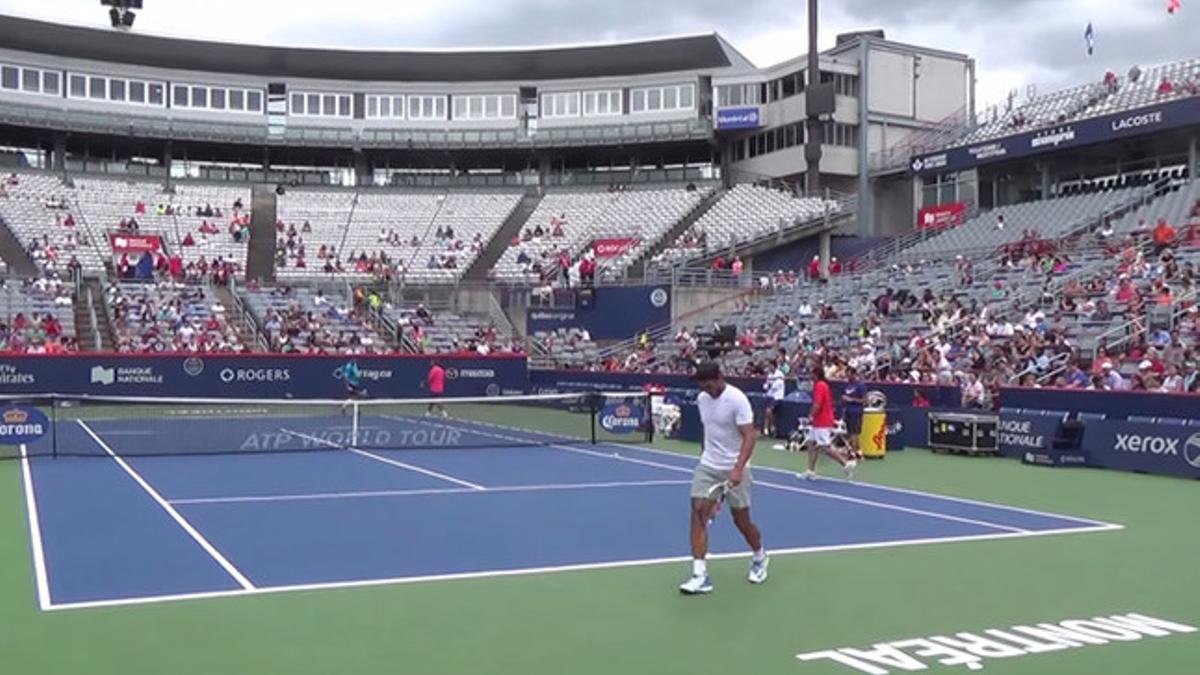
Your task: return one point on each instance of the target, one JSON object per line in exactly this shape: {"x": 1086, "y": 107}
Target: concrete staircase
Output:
{"x": 260, "y": 254}
{"x": 14, "y": 255}
{"x": 499, "y": 244}
{"x": 99, "y": 334}
{"x": 233, "y": 313}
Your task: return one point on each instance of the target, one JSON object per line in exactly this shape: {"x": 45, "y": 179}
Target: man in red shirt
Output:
{"x": 820, "y": 439}
{"x": 435, "y": 383}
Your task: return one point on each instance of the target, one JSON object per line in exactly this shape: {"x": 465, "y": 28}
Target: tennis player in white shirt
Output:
{"x": 729, "y": 438}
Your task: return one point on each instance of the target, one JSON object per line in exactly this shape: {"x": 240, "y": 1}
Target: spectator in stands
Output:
{"x": 424, "y": 314}
{"x": 737, "y": 266}
{"x": 1111, "y": 83}
{"x": 718, "y": 263}
{"x": 814, "y": 268}
{"x": 1165, "y": 88}
{"x": 835, "y": 266}
{"x": 1000, "y": 224}
{"x": 1163, "y": 235}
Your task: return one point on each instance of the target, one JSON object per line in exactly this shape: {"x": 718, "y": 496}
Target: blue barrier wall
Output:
{"x": 1114, "y": 404}
{"x": 900, "y": 395}
{"x": 1171, "y": 450}
{"x": 254, "y": 376}
{"x": 616, "y": 312}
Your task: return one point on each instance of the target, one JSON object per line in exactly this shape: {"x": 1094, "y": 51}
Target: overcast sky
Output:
{"x": 1015, "y": 42}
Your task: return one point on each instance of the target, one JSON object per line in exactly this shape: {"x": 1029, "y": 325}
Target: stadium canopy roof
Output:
{"x": 695, "y": 52}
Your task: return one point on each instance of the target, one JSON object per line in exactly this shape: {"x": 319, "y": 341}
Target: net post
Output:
{"x": 648, "y": 419}
{"x": 595, "y": 400}
{"x": 54, "y": 428}
{"x": 354, "y": 413}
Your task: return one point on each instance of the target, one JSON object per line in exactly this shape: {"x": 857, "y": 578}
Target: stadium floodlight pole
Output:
{"x": 812, "y": 129}
{"x": 812, "y": 146}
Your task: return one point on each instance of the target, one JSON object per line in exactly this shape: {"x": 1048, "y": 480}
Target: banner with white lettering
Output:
{"x": 1165, "y": 449}
{"x": 1165, "y": 116}
{"x": 1022, "y": 432}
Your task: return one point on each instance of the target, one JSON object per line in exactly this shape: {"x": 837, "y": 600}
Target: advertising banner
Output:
{"x": 1173, "y": 114}
{"x": 1022, "y": 432}
{"x": 1172, "y": 450}
{"x": 1114, "y": 404}
{"x": 616, "y": 313}
{"x": 134, "y": 243}
{"x": 611, "y": 248}
{"x": 256, "y": 376}
{"x": 733, "y": 119}
{"x": 941, "y": 216}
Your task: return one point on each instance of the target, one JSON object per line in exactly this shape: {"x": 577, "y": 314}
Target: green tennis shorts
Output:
{"x": 705, "y": 478}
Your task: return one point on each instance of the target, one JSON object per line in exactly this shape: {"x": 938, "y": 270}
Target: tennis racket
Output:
{"x": 716, "y": 497}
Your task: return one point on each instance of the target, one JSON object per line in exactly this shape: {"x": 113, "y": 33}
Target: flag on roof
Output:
{"x": 1174, "y": 6}
{"x": 1089, "y": 36}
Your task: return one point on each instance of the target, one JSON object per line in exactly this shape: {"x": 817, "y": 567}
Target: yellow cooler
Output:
{"x": 872, "y": 439}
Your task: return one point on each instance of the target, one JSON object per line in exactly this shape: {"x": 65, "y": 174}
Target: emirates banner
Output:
{"x": 941, "y": 216}
{"x": 611, "y": 248}
{"x": 135, "y": 243}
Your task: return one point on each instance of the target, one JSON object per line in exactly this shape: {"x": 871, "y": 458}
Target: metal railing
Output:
{"x": 91, "y": 306}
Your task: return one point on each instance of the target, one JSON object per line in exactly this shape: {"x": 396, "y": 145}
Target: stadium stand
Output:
{"x": 570, "y": 221}
{"x": 169, "y": 317}
{"x": 39, "y": 211}
{"x": 297, "y": 319}
{"x": 37, "y": 316}
{"x": 421, "y": 236}
{"x": 1115, "y": 94}
{"x": 743, "y": 214}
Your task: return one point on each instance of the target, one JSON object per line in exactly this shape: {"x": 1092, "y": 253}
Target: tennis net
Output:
{"x": 128, "y": 426}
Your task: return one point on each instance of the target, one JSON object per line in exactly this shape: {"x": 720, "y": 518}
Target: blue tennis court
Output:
{"x": 130, "y": 525}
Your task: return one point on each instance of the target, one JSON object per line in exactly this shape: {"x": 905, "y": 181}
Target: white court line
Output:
{"x": 35, "y": 533}
{"x": 873, "y": 486}
{"x": 815, "y": 493}
{"x": 387, "y": 460}
{"x": 417, "y": 493}
{"x": 489, "y": 574}
{"x": 180, "y": 520}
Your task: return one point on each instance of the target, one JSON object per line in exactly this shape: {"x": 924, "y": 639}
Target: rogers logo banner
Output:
{"x": 611, "y": 248}
{"x": 135, "y": 243}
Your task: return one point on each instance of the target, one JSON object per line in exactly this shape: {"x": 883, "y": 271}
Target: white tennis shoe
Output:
{"x": 758, "y": 570}
{"x": 849, "y": 468}
{"x": 696, "y": 585}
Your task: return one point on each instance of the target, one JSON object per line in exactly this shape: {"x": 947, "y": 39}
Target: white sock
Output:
{"x": 760, "y": 555}
{"x": 699, "y": 567}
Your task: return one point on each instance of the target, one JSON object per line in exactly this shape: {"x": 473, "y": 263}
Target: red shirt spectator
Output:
{"x": 719, "y": 263}
{"x": 814, "y": 268}
{"x": 1163, "y": 234}
{"x": 69, "y": 221}
{"x": 436, "y": 379}
{"x": 176, "y": 267}
{"x": 139, "y": 208}
{"x": 1165, "y": 87}
{"x": 835, "y": 266}
{"x": 188, "y": 240}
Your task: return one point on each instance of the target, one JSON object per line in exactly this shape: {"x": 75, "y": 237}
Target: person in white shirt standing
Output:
{"x": 729, "y": 438}
{"x": 774, "y": 387}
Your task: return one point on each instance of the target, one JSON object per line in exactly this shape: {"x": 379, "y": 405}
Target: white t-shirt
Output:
{"x": 721, "y": 418}
{"x": 774, "y": 386}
